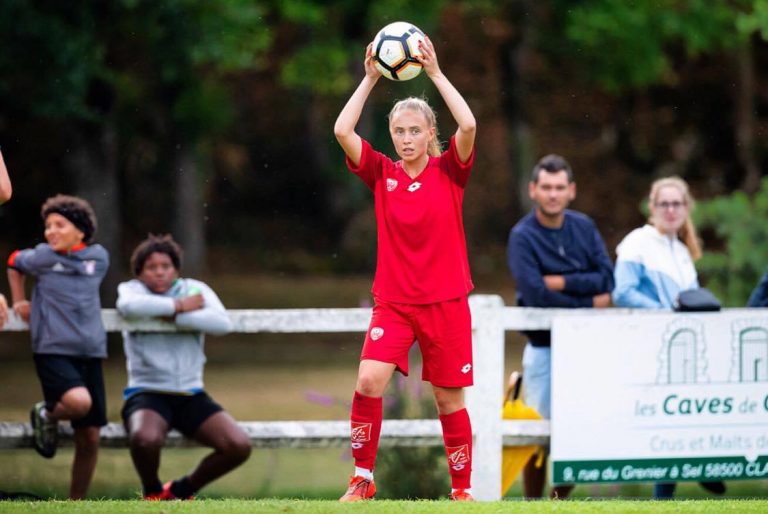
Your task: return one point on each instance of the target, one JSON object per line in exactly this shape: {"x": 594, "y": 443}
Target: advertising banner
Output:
{"x": 660, "y": 397}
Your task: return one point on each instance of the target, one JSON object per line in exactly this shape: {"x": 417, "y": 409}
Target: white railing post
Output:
{"x": 484, "y": 398}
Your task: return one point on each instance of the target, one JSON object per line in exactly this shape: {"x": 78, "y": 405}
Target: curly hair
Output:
{"x": 160, "y": 243}
{"x": 78, "y": 211}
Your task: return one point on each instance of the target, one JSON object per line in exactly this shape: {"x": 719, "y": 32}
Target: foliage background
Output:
{"x": 213, "y": 119}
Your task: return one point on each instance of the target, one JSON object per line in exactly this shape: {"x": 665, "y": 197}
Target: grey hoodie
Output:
{"x": 169, "y": 361}
{"x": 66, "y": 308}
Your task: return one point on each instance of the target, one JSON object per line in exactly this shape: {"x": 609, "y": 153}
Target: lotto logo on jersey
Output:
{"x": 466, "y": 367}
{"x": 376, "y": 333}
{"x": 458, "y": 457}
{"x": 391, "y": 184}
{"x": 413, "y": 187}
{"x": 361, "y": 433}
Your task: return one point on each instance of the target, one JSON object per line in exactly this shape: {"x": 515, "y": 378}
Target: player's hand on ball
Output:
{"x": 370, "y": 69}
{"x": 428, "y": 57}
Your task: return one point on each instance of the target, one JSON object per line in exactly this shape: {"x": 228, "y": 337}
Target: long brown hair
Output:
{"x": 420, "y": 105}
{"x": 687, "y": 233}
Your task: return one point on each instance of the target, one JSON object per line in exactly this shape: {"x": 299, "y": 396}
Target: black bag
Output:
{"x": 697, "y": 300}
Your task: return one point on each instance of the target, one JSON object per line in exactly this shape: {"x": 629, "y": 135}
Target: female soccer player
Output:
{"x": 422, "y": 275}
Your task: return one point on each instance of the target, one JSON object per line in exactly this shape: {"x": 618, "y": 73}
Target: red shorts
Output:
{"x": 443, "y": 331}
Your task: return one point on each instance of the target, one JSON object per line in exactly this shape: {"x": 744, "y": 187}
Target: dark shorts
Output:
{"x": 60, "y": 373}
{"x": 185, "y": 413}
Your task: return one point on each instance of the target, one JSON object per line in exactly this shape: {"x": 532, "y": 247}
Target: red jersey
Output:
{"x": 422, "y": 252}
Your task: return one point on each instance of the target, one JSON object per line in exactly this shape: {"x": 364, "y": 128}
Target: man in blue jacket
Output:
{"x": 558, "y": 259}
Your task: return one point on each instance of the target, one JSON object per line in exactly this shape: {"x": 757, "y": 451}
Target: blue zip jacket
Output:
{"x": 576, "y": 251}
{"x": 651, "y": 270}
{"x": 759, "y": 297}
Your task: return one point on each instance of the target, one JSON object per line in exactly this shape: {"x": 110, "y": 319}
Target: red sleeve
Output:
{"x": 369, "y": 169}
{"x": 458, "y": 170}
{"x": 12, "y": 259}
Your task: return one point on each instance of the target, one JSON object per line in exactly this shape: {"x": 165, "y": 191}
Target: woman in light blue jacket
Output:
{"x": 654, "y": 264}
{"x": 165, "y": 372}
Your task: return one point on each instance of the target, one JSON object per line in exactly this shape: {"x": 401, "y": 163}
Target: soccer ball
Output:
{"x": 394, "y": 48}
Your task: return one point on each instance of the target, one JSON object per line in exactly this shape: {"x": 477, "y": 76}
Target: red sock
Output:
{"x": 457, "y": 435}
{"x": 366, "y": 426}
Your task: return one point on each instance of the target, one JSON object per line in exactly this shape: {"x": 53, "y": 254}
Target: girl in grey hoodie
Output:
{"x": 165, "y": 372}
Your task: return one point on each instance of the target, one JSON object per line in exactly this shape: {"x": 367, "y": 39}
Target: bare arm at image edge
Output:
{"x": 5, "y": 182}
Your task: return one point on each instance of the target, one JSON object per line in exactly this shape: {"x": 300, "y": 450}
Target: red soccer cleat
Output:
{"x": 460, "y": 495}
{"x": 359, "y": 489}
{"x": 165, "y": 495}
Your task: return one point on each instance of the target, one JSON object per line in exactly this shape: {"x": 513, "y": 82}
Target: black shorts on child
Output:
{"x": 60, "y": 373}
{"x": 183, "y": 412}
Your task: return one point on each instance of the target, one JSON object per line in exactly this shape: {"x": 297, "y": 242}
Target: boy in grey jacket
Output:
{"x": 165, "y": 372}
{"x": 68, "y": 338}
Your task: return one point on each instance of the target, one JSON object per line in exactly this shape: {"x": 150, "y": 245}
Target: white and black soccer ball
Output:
{"x": 395, "y": 48}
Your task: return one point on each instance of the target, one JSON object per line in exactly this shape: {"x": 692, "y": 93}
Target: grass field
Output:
{"x": 388, "y": 507}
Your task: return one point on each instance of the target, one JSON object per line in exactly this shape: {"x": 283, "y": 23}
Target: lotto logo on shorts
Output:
{"x": 361, "y": 433}
{"x": 376, "y": 333}
{"x": 458, "y": 457}
{"x": 391, "y": 184}
{"x": 466, "y": 367}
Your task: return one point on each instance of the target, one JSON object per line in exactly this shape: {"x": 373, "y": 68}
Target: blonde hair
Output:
{"x": 687, "y": 233}
{"x": 420, "y": 105}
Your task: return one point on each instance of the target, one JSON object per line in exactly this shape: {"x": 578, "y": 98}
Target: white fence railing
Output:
{"x": 490, "y": 320}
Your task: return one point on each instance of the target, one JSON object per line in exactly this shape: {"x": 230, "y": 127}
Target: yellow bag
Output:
{"x": 514, "y": 458}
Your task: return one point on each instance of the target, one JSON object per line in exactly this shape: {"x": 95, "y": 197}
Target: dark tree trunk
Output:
{"x": 744, "y": 102}
{"x": 516, "y": 50}
{"x": 189, "y": 216}
{"x": 94, "y": 165}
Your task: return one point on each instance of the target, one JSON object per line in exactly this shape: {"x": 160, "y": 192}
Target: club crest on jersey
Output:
{"x": 90, "y": 267}
{"x": 466, "y": 367}
{"x": 413, "y": 187}
{"x": 361, "y": 433}
{"x": 391, "y": 184}
{"x": 458, "y": 457}
{"x": 376, "y": 333}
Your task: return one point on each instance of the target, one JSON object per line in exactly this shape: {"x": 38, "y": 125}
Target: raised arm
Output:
{"x": 5, "y": 182}
{"x": 465, "y": 134}
{"x": 344, "y": 128}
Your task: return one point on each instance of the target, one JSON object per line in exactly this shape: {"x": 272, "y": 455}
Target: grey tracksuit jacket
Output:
{"x": 169, "y": 361}
{"x": 66, "y": 308}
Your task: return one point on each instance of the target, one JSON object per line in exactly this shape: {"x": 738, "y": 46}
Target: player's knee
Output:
{"x": 237, "y": 448}
{"x": 448, "y": 403}
{"x": 146, "y": 439}
{"x": 370, "y": 384}
{"x": 77, "y": 402}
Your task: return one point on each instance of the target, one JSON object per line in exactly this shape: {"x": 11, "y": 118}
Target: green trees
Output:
{"x": 733, "y": 267}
